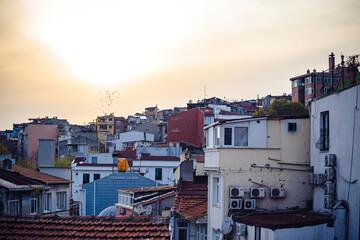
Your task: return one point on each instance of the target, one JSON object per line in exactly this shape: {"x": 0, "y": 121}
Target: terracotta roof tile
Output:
{"x": 15, "y": 227}
{"x": 194, "y": 207}
{"x": 37, "y": 176}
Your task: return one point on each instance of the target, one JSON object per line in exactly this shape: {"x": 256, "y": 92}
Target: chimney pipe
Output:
{"x": 331, "y": 62}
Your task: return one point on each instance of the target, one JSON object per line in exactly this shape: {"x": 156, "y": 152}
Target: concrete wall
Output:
{"x": 344, "y": 142}
{"x": 46, "y": 156}
{"x": 36, "y": 132}
{"x": 62, "y": 172}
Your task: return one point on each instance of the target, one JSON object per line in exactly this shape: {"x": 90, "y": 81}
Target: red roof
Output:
{"x": 37, "y": 176}
{"x": 190, "y": 188}
{"x": 200, "y": 158}
{"x": 285, "y": 219}
{"x": 194, "y": 207}
{"x": 81, "y": 228}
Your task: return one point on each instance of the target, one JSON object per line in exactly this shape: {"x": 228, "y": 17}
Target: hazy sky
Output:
{"x": 58, "y": 58}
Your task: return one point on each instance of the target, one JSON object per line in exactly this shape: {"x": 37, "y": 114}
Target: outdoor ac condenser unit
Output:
{"x": 330, "y": 160}
{"x": 240, "y": 229}
{"x": 236, "y": 191}
{"x": 277, "y": 192}
{"x": 257, "y": 192}
{"x": 235, "y": 203}
{"x": 249, "y": 204}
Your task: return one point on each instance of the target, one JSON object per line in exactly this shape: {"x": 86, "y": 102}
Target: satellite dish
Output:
{"x": 139, "y": 209}
{"x": 148, "y": 210}
{"x": 226, "y": 225}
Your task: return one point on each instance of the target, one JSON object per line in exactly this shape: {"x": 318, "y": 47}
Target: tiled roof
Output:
{"x": 194, "y": 207}
{"x": 37, "y": 176}
{"x": 285, "y": 219}
{"x": 200, "y": 158}
{"x": 81, "y": 228}
{"x": 148, "y": 189}
{"x": 131, "y": 155}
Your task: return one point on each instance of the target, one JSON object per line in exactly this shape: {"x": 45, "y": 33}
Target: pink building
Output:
{"x": 36, "y": 132}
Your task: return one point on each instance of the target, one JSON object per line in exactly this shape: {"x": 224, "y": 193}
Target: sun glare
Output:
{"x": 109, "y": 43}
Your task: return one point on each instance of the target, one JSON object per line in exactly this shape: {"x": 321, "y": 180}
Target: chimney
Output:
{"x": 7, "y": 164}
{"x": 331, "y": 62}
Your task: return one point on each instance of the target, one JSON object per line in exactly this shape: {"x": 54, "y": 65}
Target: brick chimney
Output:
{"x": 331, "y": 62}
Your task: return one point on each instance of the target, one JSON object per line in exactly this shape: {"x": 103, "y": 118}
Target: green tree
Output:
{"x": 3, "y": 150}
{"x": 283, "y": 108}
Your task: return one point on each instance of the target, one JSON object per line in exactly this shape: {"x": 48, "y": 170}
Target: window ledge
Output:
{"x": 217, "y": 205}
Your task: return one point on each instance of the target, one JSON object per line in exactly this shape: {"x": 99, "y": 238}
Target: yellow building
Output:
{"x": 104, "y": 126}
{"x": 256, "y": 164}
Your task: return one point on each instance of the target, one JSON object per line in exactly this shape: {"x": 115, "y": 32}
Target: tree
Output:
{"x": 3, "y": 150}
{"x": 353, "y": 64}
{"x": 283, "y": 108}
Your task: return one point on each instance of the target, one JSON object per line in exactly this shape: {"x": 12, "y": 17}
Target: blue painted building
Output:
{"x": 103, "y": 193}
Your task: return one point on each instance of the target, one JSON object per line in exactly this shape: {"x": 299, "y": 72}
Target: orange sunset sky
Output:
{"x": 58, "y": 58}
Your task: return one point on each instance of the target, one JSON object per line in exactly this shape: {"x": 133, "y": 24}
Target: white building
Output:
{"x": 129, "y": 139}
{"x": 335, "y": 153}
{"x": 256, "y": 164}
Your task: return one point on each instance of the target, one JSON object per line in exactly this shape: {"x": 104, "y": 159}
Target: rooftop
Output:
{"x": 37, "y": 176}
{"x": 194, "y": 207}
{"x": 148, "y": 189}
{"x": 285, "y": 219}
{"x": 81, "y": 228}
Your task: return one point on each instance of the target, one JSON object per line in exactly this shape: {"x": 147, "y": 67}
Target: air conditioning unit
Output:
{"x": 319, "y": 179}
{"x": 240, "y": 229}
{"x": 249, "y": 204}
{"x": 235, "y": 203}
{"x": 144, "y": 170}
{"x": 329, "y": 188}
{"x": 311, "y": 178}
{"x": 277, "y": 192}
{"x": 330, "y": 174}
{"x": 328, "y": 202}
{"x": 257, "y": 192}
{"x": 330, "y": 160}
{"x": 237, "y": 191}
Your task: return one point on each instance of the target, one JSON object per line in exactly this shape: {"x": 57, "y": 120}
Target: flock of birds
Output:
{"x": 108, "y": 98}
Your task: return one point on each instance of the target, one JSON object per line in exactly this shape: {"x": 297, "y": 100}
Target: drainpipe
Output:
{"x": 94, "y": 196}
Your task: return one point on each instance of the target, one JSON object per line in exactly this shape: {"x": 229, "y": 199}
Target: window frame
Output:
{"x": 158, "y": 174}
{"x": 98, "y": 176}
{"x": 47, "y": 202}
{"x": 325, "y": 131}
{"x": 216, "y": 191}
{"x": 13, "y": 200}
{"x": 61, "y": 201}
{"x": 34, "y": 208}
{"x": 244, "y": 141}
{"x": 88, "y": 178}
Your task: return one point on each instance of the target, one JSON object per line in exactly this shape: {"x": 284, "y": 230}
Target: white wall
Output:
{"x": 344, "y": 121}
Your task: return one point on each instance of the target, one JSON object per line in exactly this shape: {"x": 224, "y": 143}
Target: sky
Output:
{"x": 63, "y": 58}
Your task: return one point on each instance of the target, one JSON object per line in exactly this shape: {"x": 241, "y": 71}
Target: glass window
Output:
{"x": 96, "y": 176}
{"x": 241, "y": 136}
{"x": 182, "y": 228}
{"x": 61, "y": 200}
{"x": 94, "y": 160}
{"x": 228, "y": 136}
{"x": 324, "y": 131}
{"x": 216, "y": 191}
{"x": 158, "y": 173}
{"x": 217, "y": 136}
{"x": 47, "y": 205}
{"x": 86, "y": 178}
{"x": 33, "y": 204}
{"x": 14, "y": 204}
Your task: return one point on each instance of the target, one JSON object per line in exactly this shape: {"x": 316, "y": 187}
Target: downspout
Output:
{"x": 94, "y": 196}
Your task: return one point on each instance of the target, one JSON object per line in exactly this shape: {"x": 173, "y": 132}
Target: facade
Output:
{"x": 268, "y": 100}
{"x": 335, "y": 137}
{"x": 256, "y": 164}
{"x": 314, "y": 84}
{"x": 129, "y": 139}
{"x": 36, "y": 193}
{"x": 102, "y": 193}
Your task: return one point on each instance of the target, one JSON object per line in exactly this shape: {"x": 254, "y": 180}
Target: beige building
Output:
{"x": 256, "y": 164}
{"x": 104, "y": 127}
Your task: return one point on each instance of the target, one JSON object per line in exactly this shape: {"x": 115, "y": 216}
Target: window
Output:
{"x": 96, "y": 176}
{"x": 94, "y": 160}
{"x": 215, "y": 191}
{"x": 47, "y": 205}
{"x": 294, "y": 94}
{"x": 61, "y": 200}
{"x": 14, "y": 204}
{"x": 118, "y": 123}
{"x": 182, "y": 230}
{"x": 217, "y": 136}
{"x": 33, "y": 204}
{"x": 324, "y": 131}
{"x": 228, "y": 136}
{"x": 110, "y": 127}
{"x": 158, "y": 173}
{"x": 292, "y": 127}
{"x": 201, "y": 233}
{"x": 241, "y": 136}
{"x": 86, "y": 178}
{"x": 126, "y": 199}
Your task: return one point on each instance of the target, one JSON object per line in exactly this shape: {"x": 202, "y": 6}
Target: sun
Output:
{"x": 108, "y": 43}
